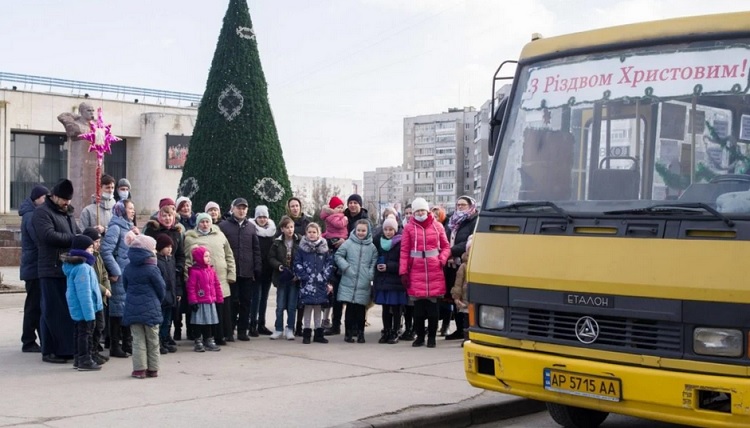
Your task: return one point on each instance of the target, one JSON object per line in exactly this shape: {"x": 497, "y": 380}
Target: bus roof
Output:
{"x": 705, "y": 25}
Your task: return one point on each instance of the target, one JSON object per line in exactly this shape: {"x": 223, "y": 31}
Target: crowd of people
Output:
{"x": 107, "y": 283}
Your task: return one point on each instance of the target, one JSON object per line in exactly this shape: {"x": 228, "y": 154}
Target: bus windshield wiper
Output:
{"x": 533, "y": 206}
{"x": 674, "y": 208}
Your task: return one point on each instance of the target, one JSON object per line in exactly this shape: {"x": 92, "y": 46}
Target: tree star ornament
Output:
{"x": 100, "y": 137}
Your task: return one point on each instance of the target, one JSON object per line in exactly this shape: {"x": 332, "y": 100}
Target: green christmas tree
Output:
{"x": 235, "y": 149}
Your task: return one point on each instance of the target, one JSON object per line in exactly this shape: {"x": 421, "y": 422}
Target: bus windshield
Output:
{"x": 629, "y": 129}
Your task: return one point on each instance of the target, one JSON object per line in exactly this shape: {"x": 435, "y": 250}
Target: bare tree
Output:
{"x": 322, "y": 192}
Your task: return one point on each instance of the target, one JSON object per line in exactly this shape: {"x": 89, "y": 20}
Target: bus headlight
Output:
{"x": 722, "y": 342}
{"x": 492, "y": 317}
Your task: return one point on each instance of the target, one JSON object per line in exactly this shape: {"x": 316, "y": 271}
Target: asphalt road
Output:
{"x": 543, "y": 420}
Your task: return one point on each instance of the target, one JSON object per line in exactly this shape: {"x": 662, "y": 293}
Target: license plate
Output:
{"x": 601, "y": 388}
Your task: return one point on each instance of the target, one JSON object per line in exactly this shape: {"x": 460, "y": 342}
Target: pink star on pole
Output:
{"x": 100, "y": 136}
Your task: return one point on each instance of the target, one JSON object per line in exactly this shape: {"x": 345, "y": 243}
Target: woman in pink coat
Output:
{"x": 424, "y": 251}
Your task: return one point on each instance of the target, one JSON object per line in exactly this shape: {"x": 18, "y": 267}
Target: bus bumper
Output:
{"x": 645, "y": 392}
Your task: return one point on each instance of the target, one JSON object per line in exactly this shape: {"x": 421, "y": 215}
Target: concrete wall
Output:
{"x": 143, "y": 125}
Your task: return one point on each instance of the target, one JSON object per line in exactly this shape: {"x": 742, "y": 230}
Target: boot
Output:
{"x": 384, "y": 337}
{"x": 407, "y": 335}
{"x": 431, "y": 333}
{"x": 393, "y": 338}
{"x": 88, "y": 365}
{"x": 253, "y": 330}
{"x": 127, "y": 342}
{"x": 361, "y": 336}
{"x": 98, "y": 359}
{"x": 419, "y": 327}
{"x": 198, "y": 347}
{"x": 116, "y": 351}
{"x": 319, "y": 337}
{"x": 306, "y": 333}
{"x": 263, "y": 330}
{"x": 163, "y": 347}
{"x": 171, "y": 347}
{"x": 348, "y": 336}
{"x": 211, "y": 345}
{"x": 459, "y": 333}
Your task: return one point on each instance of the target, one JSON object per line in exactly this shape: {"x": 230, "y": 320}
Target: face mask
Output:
{"x": 421, "y": 217}
{"x": 123, "y": 195}
{"x": 106, "y": 196}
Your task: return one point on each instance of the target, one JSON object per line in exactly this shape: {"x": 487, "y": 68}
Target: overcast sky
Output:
{"x": 342, "y": 74}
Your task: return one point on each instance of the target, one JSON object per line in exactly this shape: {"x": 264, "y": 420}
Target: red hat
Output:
{"x": 335, "y": 202}
{"x": 165, "y": 202}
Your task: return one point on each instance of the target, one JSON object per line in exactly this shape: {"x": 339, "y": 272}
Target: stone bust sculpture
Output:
{"x": 77, "y": 124}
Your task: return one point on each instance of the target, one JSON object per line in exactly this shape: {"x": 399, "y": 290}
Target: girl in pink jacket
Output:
{"x": 424, "y": 251}
{"x": 203, "y": 290}
{"x": 336, "y": 221}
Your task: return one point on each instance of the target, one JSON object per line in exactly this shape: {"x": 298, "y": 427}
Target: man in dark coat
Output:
{"x": 243, "y": 239}
{"x": 55, "y": 228}
{"x": 354, "y": 211}
{"x": 32, "y": 310}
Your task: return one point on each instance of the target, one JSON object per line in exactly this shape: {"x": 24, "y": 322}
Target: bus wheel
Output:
{"x": 575, "y": 417}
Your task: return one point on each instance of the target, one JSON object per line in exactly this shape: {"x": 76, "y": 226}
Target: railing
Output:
{"x": 99, "y": 90}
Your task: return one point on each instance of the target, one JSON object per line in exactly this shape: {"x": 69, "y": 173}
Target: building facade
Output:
{"x": 315, "y": 191}
{"x": 383, "y": 188}
{"x": 480, "y": 157}
{"x": 437, "y": 164}
{"x": 34, "y": 147}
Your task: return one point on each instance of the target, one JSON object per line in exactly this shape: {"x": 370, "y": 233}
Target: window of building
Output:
{"x": 115, "y": 164}
{"x": 445, "y": 174}
{"x": 35, "y": 159}
{"x": 424, "y": 188}
{"x": 444, "y": 187}
{"x": 444, "y": 162}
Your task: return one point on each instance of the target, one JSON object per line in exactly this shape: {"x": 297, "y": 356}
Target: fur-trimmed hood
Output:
{"x": 269, "y": 231}
{"x": 155, "y": 225}
{"x": 320, "y": 246}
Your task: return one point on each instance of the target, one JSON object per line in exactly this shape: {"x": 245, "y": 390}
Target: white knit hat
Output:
{"x": 420, "y": 204}
{"x": 261, "y": 211}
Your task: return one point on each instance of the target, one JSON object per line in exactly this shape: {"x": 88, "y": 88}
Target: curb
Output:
{"x": 462, "y": 414}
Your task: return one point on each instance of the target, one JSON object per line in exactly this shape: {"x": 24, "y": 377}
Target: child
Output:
{"x": 313, "y": 266}
{"x": 336, "y": 230}
{"x": 459, "y": 291}
{"x": 356, "y": 258}
{"x": 281, "y": 256}
{"x": 336, "y": 221}
{"x": 389, "y": 291}
{"x": 145, "y": 289}
{"x": 168, "y": 269}
{"x": 424, "y": 252}
{"x": 203, "y": 290}
{"x": 105, "y": 288}
{"x": 84, "y": 298}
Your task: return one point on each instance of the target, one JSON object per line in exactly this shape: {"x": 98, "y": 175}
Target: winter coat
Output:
{"x": 82, "y": 293}
{"x": 313, "y": 265}
{"x": 54, "y": 234}
{"x": 188, "y": 223}
{"x": 388, "y": 280}
{"x": 425, "y": 274}
{"x": 336, "y": 224}
{"x": 461, "y": 236}
{"x": 356, "y": 259}
{"x": 114, "y": 251}
{"x": 459, "y": 290}
{"x": 352, "y": 219}
{"x": 145, "y": 289}
{"x": 265, "y": 239}
{"x": 29, "y": 251}
{"x": 88, "y": 215}
{"x": 243, "y": 238}
{"x": 168, "y": 271}
{"x": 277, "y": 257}
{"x": 222, "y": 257}
{"x": 177, "y": 233}
{"x": 103, "y": 276}
{"x": 203, "y": 285}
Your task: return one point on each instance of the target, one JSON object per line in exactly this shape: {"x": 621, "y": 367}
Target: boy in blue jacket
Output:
{"x": 84, "y": 298}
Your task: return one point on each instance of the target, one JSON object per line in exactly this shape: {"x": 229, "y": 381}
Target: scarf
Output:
{"x": 385, "y": 244}
{"x": 459, "y": 217}
{"x": 202, "y": 232}
{"x": 267, "y": 231}
{"x": 85, "y": 254}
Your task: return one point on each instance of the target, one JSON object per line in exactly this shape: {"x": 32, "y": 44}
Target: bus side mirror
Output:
{"x": 495, "y": 125}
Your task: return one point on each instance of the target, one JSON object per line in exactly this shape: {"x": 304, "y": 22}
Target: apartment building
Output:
{"x": 480, "y": 157}
{"x": 437, "y": 165}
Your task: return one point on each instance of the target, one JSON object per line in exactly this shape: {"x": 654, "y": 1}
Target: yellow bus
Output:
{"x": 610, "y": 264}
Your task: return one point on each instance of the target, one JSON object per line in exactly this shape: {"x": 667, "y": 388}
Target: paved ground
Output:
{"x": 257, "y": 383}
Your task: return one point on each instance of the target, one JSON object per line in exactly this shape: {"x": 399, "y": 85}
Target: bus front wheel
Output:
{"x": 576, "y": 417}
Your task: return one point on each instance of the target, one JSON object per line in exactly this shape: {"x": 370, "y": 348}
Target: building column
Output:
{"x": 4, "y": 159}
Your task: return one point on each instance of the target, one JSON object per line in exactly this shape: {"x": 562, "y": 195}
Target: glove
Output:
{"x": 194, "y": 307}
{"x": 405, "y": 279}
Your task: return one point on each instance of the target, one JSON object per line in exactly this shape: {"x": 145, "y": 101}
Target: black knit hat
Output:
{"x": 63, "y": 189}
{"x": 38, "y": 191}
{"x": 163, "y": 241}
{"x": 92, "y": 233}
{"x": 354, "y": 197}
{"x": 81, "y": 242}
